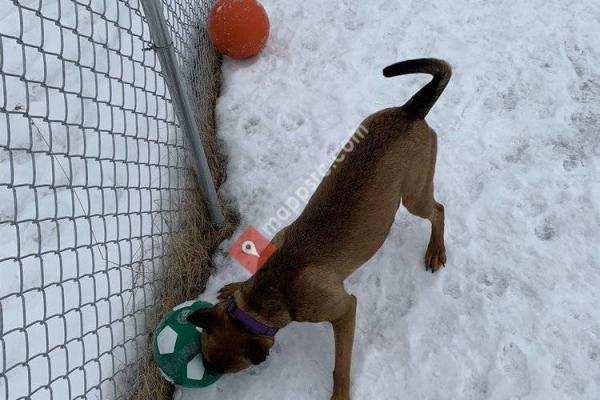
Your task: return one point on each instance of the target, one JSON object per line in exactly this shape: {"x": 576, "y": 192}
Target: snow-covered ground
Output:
{"x": 514, "y": 315}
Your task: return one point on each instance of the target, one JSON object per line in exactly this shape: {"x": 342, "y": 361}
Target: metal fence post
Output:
{"x": 163, "y": 45}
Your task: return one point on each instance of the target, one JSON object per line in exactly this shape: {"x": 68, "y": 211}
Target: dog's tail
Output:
{"x": 420, "y": 104}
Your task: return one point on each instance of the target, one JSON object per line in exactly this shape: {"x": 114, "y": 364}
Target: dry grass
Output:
{"x": 183, "y": 278}
{"x": 188, "y": 263}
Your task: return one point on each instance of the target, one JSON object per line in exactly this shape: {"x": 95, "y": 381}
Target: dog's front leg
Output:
{"x": 228, "y": 290}
{"x": 343, "y": 330}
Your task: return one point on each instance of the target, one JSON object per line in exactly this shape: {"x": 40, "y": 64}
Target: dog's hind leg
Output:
{"x": 435, "y": 256}
{"x": 426, "y": 207}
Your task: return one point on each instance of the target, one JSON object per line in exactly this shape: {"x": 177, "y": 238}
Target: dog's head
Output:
{"x": 226, "y": 345}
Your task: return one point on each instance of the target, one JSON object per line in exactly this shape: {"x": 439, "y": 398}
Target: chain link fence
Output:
{"x": 92, "y": 172}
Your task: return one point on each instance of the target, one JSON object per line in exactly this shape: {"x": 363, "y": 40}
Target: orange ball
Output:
{"x": 238, "y": 28}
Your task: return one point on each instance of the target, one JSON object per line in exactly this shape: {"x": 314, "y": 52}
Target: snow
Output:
{"x": 514, "y": 315}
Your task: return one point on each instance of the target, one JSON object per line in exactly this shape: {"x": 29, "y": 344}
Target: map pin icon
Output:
{"x": 249, "y": 248}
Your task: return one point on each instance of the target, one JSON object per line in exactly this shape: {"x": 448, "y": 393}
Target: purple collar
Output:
{"x": 250, "y": 323}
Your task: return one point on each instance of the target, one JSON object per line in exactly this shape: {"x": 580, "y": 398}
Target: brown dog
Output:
{"x": 345, "y": 222}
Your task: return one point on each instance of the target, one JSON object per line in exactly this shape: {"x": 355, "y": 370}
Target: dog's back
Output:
{"x": 391, "y": 158}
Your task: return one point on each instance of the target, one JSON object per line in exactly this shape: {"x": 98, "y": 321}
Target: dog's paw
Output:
{"x": 228, "y": 290}
{"x": 435, "y": 257}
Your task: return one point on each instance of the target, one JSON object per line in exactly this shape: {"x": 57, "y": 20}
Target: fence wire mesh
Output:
{"x": 92, "y": 166}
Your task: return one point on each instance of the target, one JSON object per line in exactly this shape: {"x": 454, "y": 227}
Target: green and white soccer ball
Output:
{"x": 177, "y": 348}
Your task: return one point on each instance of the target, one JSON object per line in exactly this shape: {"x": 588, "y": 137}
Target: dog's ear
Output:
{"x": 257, "y": 350}
{"x": 205, "y": 318}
